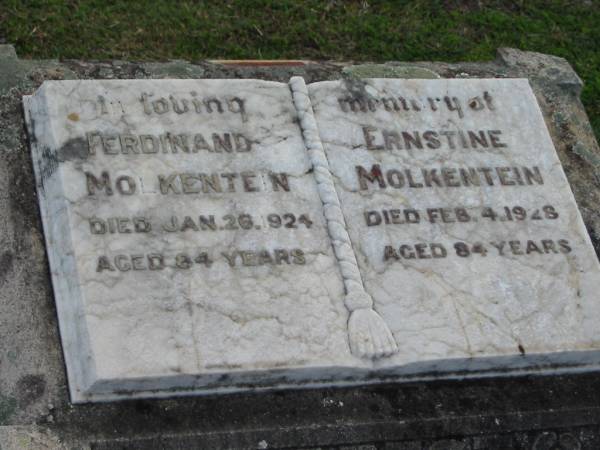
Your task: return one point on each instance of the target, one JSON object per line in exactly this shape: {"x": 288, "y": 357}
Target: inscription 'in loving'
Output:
{"x": 193, "y": 104}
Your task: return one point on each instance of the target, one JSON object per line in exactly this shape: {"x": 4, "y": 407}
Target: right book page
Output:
{"x": 464, "y": 227}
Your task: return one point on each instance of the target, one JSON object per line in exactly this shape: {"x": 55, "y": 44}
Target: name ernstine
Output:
{"x": 380, "y": 139}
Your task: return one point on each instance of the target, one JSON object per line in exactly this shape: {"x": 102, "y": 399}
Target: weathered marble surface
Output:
{"x": 272, "y": 298}
{"x": 499, "y": 412}
{"x": 216, "y": 235}
{"x": 526, "y": 299}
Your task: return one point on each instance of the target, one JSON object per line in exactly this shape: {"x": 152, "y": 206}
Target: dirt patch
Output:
{"x": 30, "y": 388}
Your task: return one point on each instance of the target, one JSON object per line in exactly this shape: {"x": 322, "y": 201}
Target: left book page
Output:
{"x": 186, "y": 238}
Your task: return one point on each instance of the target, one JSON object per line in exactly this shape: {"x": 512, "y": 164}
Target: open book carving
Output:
{"x": 221, "y": 235}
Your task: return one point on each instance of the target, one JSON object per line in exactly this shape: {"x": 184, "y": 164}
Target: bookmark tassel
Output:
{"x": 368, "y": 334}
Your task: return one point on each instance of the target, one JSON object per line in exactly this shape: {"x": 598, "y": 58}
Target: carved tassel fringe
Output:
{"x": 369, "y": 336}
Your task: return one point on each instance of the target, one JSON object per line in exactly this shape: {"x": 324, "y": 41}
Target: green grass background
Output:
{"x": 366, "y": 30}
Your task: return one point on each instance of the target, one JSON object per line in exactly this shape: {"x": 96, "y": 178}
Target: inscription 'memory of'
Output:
{"x": 448, "y": 177}
{"x": 401, "y": 104}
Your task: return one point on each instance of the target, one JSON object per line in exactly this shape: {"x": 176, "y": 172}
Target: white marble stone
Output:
{"x": 532, "y": 305}
{"x": 299, "y": 289}
{"x": 276, "y": 316}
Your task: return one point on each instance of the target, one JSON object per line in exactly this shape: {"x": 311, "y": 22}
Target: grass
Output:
{"x": 448, "y": 30}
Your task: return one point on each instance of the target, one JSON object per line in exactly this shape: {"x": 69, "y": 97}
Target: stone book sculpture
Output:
{"x": 219, "y": 235}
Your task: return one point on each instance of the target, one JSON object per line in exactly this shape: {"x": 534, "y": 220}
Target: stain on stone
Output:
{"x": 76, "y": 149}
{"x": 8, "y": 406}
{"x": 73, "y": 117}
{"x": 73, "y": 150}
{"x": 12, "y": 355}
{"x": 6, "y": 264}
{"x": 47, "y": 165}
{"x": 357, "y": 88}
{"x": 30, "y": 388}
{"x": 30, "y": 131}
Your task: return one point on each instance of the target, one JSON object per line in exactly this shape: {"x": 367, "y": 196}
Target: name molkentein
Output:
{"x": 399, "y": 178}
{"x": 188, "y": 183}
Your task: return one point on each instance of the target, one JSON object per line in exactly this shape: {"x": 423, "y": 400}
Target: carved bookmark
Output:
{"x": 368, "y": 334}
